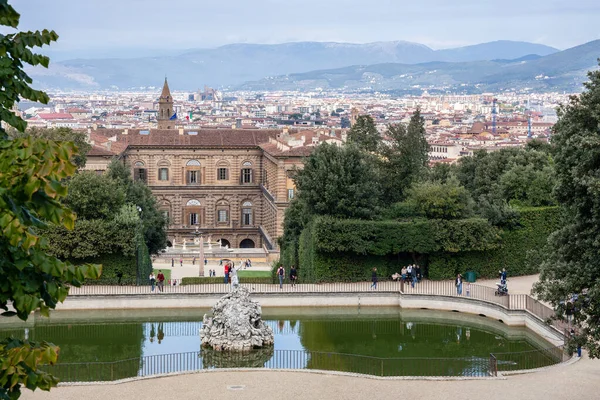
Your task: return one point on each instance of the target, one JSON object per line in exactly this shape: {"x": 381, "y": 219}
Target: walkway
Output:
{"x": 577, "y": 381}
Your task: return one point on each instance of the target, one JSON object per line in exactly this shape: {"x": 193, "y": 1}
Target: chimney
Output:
{"x": 126, "y": 131}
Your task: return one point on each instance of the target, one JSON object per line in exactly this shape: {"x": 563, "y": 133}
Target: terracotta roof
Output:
{"x": 99, "y": 151}
{"x": 301, "y": 151}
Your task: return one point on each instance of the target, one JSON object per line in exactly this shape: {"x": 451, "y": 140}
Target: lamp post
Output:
{"x": 200, "y": 252}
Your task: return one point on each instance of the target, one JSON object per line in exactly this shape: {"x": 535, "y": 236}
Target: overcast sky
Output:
{"x": 117, "y": 25}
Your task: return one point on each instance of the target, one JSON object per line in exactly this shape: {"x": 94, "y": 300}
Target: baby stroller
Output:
{"x": 502, "y": 289}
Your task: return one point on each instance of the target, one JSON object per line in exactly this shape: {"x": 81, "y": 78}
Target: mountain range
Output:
{"x": 564, "y": 71}
{"x": 231, "y": 65}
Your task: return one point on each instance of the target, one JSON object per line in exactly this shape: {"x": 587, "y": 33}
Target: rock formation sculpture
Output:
{"x": 236, "y": 324}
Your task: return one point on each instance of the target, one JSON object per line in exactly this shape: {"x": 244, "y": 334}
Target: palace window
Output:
{"x": 139, "y": 172}
{"x": 222, "y": 174}
{"x": 246, "y": 173}
{"x": 193, "y": 172}
{"x": 193, "y": 218}
{"x": 247, "y": 213}
{"x": 163, "y": 174}
{"x": 193, "y": 176}
{"x": 222, "y": 216}
{"x": 290, "y": 194}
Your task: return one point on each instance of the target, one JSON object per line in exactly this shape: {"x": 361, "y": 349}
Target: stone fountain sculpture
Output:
{"x": 236, "y": 324}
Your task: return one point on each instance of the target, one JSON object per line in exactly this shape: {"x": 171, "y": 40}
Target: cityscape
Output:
{"x": 335, "y": 197}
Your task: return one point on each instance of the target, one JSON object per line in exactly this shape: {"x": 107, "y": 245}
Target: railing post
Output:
{"x": 382, "y": 367}
{"x": 493, "y": 365}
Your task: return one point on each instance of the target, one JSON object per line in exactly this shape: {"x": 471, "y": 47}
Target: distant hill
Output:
{"x": 238, "y": 63}
{"x": 564, "y": 70}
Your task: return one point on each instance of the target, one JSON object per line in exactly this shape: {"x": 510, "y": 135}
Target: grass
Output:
{"x": 166, "y": 273}
{"x": 254, "y": 274}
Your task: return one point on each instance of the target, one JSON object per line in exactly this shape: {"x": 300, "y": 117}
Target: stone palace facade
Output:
{"x": 230, "y": 184}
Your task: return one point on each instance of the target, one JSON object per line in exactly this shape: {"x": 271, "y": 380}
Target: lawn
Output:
{"x": 254, "y": 274}
{"x": 166, "y": 273}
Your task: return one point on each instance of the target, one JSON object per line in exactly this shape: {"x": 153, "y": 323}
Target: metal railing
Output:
{"x": 425, "y": 287}
{"x": 272, "y": 359}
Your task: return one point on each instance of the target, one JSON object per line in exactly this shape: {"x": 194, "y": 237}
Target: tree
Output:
{"x": 570, "y": 277}
{"x": 62, "y": 135}
{"x": 94, "y": 196}
{"x": 339, "y": 181}
{"x": 406, "y": 159}
{"x": 364, "y": 134}
{"x": 441, "y": 200}
{"x": 31, "y": 174}
{"x": 138, "y": 194}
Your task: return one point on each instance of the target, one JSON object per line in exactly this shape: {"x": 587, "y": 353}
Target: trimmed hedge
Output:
{"x": 111, "y": 265}
{"x": 423, "y": 236}
{"x": 521, "y": 251}
{"x": 346, "y": 250}
{"x": 220, "y": 279}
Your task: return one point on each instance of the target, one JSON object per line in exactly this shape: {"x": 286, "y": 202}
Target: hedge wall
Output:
{"x": 346, "y": 250}
{"x": 111, "y": 265}
{"x": 520, "y": 253}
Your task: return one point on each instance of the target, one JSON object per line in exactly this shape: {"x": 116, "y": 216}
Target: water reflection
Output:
{"x": 147, "y": 343}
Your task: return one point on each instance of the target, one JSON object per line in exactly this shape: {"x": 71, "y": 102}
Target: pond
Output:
{"x": 108, "y": 345}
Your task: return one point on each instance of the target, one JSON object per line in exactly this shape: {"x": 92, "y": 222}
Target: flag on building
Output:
{"x": 174, "y": 116}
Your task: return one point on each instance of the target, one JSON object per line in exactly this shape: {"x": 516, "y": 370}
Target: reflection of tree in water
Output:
{"x": 228, "y": 359}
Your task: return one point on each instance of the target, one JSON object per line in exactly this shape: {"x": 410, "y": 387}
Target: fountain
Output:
{"x": 236, "y": 324}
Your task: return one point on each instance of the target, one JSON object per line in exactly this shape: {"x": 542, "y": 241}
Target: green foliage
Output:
{"x": 571, "y": 266}
{"x": 405, "y": 160}
{"x": 391, "y": 237}
{"x": 520, "y": 251}
{"x": 94, "y": 196}
{"x": 20, "y": 362}
{"x": 441, "y": 200}
{"x": 364, "y": 134}
{"x": 62, "y": 135}
{"x": 31, "y": 189}
{"x": 505, "y": 175}
{"x": 339, "y": 181}
{"x": 219, "y": 279}
{"x": 112, "y": 265}
{"x": 138, "y": 194}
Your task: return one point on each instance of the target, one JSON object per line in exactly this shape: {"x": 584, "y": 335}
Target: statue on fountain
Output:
{"x": 236, "y": 324}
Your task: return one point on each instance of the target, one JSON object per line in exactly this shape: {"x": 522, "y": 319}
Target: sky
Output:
{"x": 141, "y": 27}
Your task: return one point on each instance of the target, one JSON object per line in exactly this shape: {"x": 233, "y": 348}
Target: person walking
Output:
{"x": 403, "y": 273}
{"x": 194, "y": 261}
{"x": 374, "y": 278}
{"x": 152, "y": 279}
{"x": 172, "y": 262}
{"x": 293, "y": 275}
{"x": 413, "y": 273}
{"x": 419, "y": 277}
{"x": 458, "y": 282}
{"x": 226, "y": 270}
{"x": 281, "y": 274}
{"x": 181, "y": 262}
{"x": 160, "y": 280}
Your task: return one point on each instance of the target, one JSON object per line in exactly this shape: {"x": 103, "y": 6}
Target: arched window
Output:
{"x": 247, "y": 213}
{"x": 139, "y": 172}
{"x": 193, "y": 212}
{"x": 222, "y": 171}
{"x": 246, "y": 174}
{"x": 247, "y": 244}
{"x": 193, "y": 172}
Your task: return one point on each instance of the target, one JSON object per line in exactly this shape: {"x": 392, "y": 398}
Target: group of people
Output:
{"x": 158, "y": 281}
{"x": 411, "y": 273}
{"x": 293, "y": 275}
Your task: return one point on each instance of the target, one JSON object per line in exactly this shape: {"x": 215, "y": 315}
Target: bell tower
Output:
{"x": 165, "y": 108}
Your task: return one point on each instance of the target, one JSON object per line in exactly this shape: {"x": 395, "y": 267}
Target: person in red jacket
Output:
{"x": 161, "y": 280}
